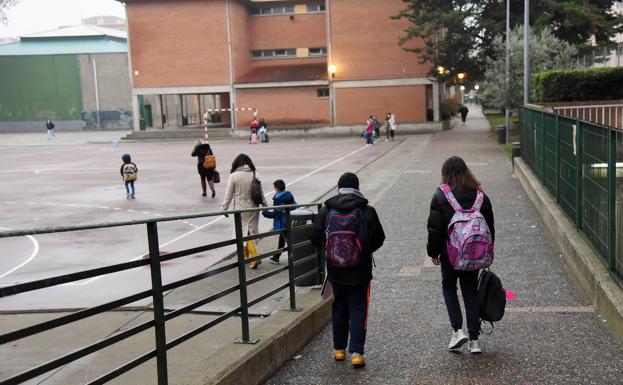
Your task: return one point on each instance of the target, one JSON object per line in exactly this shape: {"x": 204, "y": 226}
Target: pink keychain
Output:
{"x": 510, "y": 295}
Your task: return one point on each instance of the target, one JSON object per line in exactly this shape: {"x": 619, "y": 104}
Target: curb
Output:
{"x": 586, "y": 266}
{"x": 279, "y": 340}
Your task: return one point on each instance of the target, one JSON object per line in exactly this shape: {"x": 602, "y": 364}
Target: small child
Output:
{"x": 129, "y": 172}
{"x": 282, "y": 197}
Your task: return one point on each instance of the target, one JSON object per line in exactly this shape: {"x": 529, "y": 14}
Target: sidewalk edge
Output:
{"x": 584, "y": 264}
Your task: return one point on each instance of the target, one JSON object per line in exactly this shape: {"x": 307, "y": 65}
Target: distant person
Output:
{"x": 281, "y": 197}
{"x": 377, "y": 127}
{"x": 254, "y": 126}
{"x": 348, "y": 231}
{"x": 387, "y": 126}
{"x": 464, "y": 111}
{"x": 466, "y": 191}
{"x": 240, "y": 193}
{"x": 129, "y": 173}
{"x": 206, "y": 171}
{"x": 263, "y": 131}
{"x": 392, "y": 125}
{"x": 369, "y": 131}
{"x": 50, "y": 127}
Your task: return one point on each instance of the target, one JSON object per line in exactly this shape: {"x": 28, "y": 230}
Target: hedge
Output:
{"x": 578, "y": 85}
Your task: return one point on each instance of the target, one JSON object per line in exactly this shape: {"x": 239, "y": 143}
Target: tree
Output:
{"x": 547, "y": 52}
{"x": 461, "y": 33}
{"x": 4, "y": 5}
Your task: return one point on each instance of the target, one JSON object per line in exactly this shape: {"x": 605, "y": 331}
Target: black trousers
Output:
{"x": 469, "y": 288}
{"x": 282, "y": 243}
{"x": 350, "y": 316}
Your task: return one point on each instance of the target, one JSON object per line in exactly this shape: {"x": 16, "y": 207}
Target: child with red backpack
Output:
{"x": 348, "y": 231}
{"x": 460, "y": 238}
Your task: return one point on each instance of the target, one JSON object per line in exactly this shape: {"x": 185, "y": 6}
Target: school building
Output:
{"x": 315, "y": 62}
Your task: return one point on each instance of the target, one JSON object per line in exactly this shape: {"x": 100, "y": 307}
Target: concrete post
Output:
{"x": 136, "y": 116}
{"x": 436, "y": 102}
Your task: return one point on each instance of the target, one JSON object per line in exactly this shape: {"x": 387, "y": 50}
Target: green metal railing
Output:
{"x": 581, "y": 165}
{"x": 161, "y": 316}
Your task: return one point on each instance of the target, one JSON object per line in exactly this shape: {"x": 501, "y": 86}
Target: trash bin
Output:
{"x": 501, "y": 131}
{"x": 141, "y": 124}
{"x": 184, "y": 120}
{"x": 301, "y": 231}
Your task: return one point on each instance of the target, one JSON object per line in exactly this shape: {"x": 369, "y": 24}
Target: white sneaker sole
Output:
{"x": 459, "y": 344}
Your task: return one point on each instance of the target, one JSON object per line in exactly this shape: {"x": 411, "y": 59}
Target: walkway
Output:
{"x": 550, "y": 334}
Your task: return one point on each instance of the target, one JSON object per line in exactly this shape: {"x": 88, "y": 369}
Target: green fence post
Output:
{"x": 557, "y": 128}
{"x": 611, "y": 199}
{"x": 156, "y": 287}
{"x": 291, "y": 278}
{"x": 543, "y": 148}
{"x": 578, "y": 175}
{"x": 242, "y": 281}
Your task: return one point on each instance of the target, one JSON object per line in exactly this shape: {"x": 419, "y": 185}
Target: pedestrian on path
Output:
{"x": 129, "y": 173}
{"x": 370, "y": 131}
{"x": 465, "y": 188}
{"x": 205, "y": 169}
{"x": 240, "y": 193}
{"x": 392, "y": 125}
{"x": 348, "y": 230}
{"x": 281, "y": 197}
{"x": 464, "y": 111}
{"x": 50, "y": 128}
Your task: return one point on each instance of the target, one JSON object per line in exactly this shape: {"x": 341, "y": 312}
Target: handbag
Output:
{"x": 257, "y": 195}
{"x": 216, "y": 177}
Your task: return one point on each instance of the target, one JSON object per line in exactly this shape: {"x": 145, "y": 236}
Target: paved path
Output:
{"x": 550, "y": 334}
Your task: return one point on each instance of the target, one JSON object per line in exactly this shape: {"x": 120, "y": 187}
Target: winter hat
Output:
{"x": 126, "y": 158}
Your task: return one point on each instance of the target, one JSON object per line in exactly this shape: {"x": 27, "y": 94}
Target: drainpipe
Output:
{"x": 97, "y": 94}
{"x": 232, "y": 99}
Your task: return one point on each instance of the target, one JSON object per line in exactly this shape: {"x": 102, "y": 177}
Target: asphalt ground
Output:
{"x": 74, "y": 179}
{"x": 550, "y": 334}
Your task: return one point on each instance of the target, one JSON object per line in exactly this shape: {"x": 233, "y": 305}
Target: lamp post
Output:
{"x": 331, "y": 70}
{"x": 507, "y": 111}
{"x": 526, "y": 52}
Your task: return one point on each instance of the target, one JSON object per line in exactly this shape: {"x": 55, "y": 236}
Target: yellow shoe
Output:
{"x": 339, "y": 355}
{"x": 357, "y": 360}
{"x": 253, "y": 265}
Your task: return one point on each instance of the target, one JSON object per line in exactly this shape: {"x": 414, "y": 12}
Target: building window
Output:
{"x": 266, "y": 53}
{"x": 315, "y": 8}
{"x": 322, "y": 92}
{"x": 321, "y": 51}
{"x": 267, "y": 10}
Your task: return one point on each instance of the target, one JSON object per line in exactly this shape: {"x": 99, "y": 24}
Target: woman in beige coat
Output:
{"x": 239, "y": 192}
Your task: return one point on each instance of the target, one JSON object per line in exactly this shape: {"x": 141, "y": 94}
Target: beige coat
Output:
{"x": 239, "y": 192}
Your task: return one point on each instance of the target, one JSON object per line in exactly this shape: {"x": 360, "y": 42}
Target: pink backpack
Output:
{"x": 470, "y": 245}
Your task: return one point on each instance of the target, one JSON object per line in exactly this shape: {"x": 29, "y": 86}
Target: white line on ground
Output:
{"x": 32, "y": 256}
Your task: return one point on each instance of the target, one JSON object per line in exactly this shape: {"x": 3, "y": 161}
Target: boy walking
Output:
{"x": 129, "y": 173}
{"x": 349, "y": 231}
{"x": 282, "y": 197}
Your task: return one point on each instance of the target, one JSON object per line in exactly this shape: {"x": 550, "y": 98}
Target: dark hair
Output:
{"x": 348, "y": 180}
{"x": 457, "y": 175}
{"x": 241, "y": 160}
{"x": 280, "y": 185}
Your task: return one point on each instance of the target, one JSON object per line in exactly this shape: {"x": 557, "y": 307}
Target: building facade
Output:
{"x": 76, "y": 76}
{"x": 315, "y": 62}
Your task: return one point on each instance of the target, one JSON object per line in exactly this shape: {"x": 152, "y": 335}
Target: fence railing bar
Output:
{"x": 265, "y": 255}
{"x": 302, "y": 244}
{"x": 268, "y": 294}
{"x": 64, "y": 320}
{"x": 267, "y": 275}
{"x": 196, "y": 250}
{"x": 194, "y": 305}
{"x": 198, "y": 277}
{"x": 261, "y": 235}
{"x": 305, "y": 260}
{"x": 201, "y": 329}
{"x": 77, "y": 354}
{"x": 158, "y": 303}
{"x": 303, "y": 276}
{"x": 123, "y": 369}
{"x": 67, "y": 278}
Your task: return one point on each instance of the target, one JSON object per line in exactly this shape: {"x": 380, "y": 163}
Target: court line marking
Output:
{"x": 90, "y": 280}
{"x": 32, "y": 256}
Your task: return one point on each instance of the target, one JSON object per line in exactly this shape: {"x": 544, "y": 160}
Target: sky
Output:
{"x": 30, "y": 16}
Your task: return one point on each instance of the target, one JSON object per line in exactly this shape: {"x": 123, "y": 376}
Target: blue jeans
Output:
{"x": 350, "y": 316}
{"x": 129, "y": 187}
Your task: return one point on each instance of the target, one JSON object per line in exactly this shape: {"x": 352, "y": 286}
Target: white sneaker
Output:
{"x": 458, "y": 339}
{"x": 474, "y": 347}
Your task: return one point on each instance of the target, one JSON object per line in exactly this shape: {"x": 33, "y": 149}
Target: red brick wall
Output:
{"x": 365, "y": 41}
{"x": 354, "y": 105}
{"x": 283, "y": 106}
{"x": 180, "y": 44}
{"x": 239, "y": 20}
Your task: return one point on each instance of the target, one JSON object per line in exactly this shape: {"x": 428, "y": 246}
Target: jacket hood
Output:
{"x": 126, "y": 158}
{"x": 346, "y": 202}
{"x": 285, "y": 197}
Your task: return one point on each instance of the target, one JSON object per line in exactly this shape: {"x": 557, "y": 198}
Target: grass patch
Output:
{"x": 495, "y": 120}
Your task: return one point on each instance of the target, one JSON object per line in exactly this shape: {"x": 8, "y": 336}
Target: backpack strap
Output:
{"x": 447, "y": 191}
{"x": 480, "y": 197}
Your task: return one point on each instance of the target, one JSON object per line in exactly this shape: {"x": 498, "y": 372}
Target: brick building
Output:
{"x": 191, "y": 55}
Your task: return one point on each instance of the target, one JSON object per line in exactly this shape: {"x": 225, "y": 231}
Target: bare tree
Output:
{"x": 4, "y": 5}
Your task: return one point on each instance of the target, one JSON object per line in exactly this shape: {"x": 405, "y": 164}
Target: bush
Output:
{"x": 578, "y": 85}
{"x": 449, "y": 108}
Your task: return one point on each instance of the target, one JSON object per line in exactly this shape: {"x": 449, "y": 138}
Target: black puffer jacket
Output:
{"x": 355, "y": 275}
{"x": 441, "y": 213}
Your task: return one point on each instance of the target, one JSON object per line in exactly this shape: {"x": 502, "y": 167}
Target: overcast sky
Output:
{"x": 31, "y": 16}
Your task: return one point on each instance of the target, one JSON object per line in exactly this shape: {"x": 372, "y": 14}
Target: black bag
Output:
{"x": 216, "y": 177}
{"x": 491, "y": 297}
{"x": 257, "y": 195}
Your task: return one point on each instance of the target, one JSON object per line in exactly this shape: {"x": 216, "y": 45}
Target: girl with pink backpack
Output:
{"x": 461, "y": 234}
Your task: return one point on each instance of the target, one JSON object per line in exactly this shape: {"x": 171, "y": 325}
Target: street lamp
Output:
{"x": 460, "y": 75}
{"x": 332, "y": 69}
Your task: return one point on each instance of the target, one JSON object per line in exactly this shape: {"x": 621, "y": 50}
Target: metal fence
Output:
{"x": 306, "y": 256}
{"x": 610, "y": 115}
{"x": 581, "y": 165}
